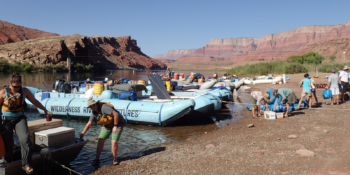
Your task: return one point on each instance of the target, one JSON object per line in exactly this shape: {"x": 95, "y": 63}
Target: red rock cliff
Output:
{"x": 292, "y": 41}
{"x": 10, "y": 33}
{"x": 335, "y": 47}
{"x": 114, "y": 52}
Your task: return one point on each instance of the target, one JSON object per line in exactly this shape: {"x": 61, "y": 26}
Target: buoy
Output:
{"x": 176, "y": 76}
{"x": 98, "y": 88}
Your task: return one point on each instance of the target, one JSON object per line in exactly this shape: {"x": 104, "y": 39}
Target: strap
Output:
{"x": 126, "y": 112}
{"x": 160, "y": 115}
{"x": 7, "y": 91}
{"x": 24, "y": 95}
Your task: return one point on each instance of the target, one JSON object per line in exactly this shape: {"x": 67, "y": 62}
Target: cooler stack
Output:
{"x": 50, "y": 134}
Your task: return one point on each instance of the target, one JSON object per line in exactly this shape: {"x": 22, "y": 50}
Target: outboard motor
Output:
{"x": 61, "y": 85}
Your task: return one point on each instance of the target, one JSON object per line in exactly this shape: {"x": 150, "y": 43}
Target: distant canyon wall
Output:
{"x": 276, "y": 46}
{"x": 174, "y": 54}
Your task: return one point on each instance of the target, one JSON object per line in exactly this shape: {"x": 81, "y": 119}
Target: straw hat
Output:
{"x": 266, "y": 96}
{"x": 346, "y": 68}
{"x": 91, "y": 102}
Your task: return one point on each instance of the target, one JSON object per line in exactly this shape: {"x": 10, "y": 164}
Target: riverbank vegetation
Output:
{"x": 305, "y": 63}
{"x": 26, "y": 67}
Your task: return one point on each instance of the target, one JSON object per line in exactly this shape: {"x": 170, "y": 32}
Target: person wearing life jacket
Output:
{"x": 168, "y": 75}
{"x": 13, "y": 118}
{"x": 112, "y": 124}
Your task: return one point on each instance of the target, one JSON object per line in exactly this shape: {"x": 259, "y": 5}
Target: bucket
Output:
{"x": 176, "y": 76}
{"x": 200, "y": 80}
{"x": 182, "y": 75}
{"x": 98, "y": 88}
{"x": 141, "y": 81}
{"x": 169, "y": 86}
{"x": 327, "y": 94}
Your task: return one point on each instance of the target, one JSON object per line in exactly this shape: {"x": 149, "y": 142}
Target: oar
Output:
{"x": 45, "y": 87}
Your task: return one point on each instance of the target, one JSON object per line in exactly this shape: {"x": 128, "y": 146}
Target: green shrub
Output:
{"x": 332, "y": 58}
{"x": 307, "y": 58}
{"x": 280, "y": 67}
{"x": 294, "y": 68}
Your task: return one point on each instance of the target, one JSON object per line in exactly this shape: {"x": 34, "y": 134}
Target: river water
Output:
{"x": 135, "y": 139}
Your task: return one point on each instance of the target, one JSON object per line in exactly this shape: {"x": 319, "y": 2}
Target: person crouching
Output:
{"x": 255, "y": 99}
{"x": 288, "y": 96}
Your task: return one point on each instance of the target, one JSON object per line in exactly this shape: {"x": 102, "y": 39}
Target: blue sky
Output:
{"x": 162, "y": 25}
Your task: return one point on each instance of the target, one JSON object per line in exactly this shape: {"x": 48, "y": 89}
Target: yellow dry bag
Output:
{"x": 105, "y": 120}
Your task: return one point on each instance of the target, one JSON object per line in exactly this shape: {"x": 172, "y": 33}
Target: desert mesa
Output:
{"x": 277, "y": 46}
{"x": 36, "y": 47}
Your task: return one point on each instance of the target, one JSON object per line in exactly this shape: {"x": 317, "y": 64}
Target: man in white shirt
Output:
{"x": 344, "y": 79}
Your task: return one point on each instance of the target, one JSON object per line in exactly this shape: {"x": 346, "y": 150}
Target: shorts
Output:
{"x": 306, "y": 94}
{"x": 292, "y": 98}
{"x": 346, "y": 86}
{"x": 252, "y": 101}
{"x": 335, "y": 91}
{"x": 313, "y": 90}
{"x": 105, "y": 133}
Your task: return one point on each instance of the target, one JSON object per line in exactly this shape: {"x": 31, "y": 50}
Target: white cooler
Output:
{"x": 55, "y": 137}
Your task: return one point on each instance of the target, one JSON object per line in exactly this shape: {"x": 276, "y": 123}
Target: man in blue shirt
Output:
{"x": 306, "y": 85}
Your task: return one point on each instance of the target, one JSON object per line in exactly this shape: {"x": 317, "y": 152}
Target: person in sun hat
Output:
{"x": 344, "y": 80}
{"x": 112, "y": 124}
{"x": 255, "y": 99}
{"x": 287, "y": 95}
{"x": 334, "y": 86}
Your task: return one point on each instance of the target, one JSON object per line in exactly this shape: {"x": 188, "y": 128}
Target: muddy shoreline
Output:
{"x": 266, "y": 148}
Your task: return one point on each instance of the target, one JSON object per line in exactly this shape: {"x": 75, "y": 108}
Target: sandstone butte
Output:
{"x": 114, "y": 52}
{"x": 10, "y": 33}
{"x": 174, "y": 54}
{"x": 277, "y": 46}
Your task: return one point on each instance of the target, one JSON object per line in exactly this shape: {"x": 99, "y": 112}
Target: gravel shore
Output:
{"x": 307, "y": 143}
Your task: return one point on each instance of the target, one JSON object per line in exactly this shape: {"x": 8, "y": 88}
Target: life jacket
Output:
{"x": 105, "y": 120}
{"x": 13, "y": 105}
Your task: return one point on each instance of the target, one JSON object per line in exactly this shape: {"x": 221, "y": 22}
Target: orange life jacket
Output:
{"x": 105, "y": 120}
{"x": 13, "y": 104}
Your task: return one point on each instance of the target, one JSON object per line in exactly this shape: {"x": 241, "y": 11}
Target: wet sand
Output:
{"x": 262, "y": 149}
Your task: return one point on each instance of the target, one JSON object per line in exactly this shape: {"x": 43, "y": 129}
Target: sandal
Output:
{"x": 115, "y": 162}
{"x": 26, "y": 170}
{"x": 255, "y": 117}
{"x": 95, "y": 162}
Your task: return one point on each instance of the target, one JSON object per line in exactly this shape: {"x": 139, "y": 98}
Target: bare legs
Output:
{"x": 114, "y": 151}
{"x": 301, "y": 100}
{"x": 310, "y": 101}
{"x": 253, "y": 110}
{"x": 314, "y": 93}
{"x": 287, "y": 110}
{"x": 100, "y": 144}
{"x": 334, "y": 99}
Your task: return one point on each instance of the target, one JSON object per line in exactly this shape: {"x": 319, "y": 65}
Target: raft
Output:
{"x": 205, "y": 104}
{"x": 161, "y": 112}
